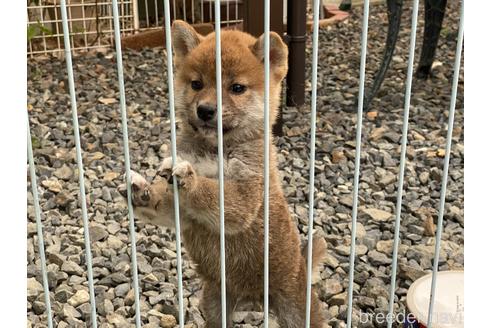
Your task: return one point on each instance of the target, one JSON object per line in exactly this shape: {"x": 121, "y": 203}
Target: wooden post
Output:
{"x": 254, "y": 13}
{"x": 296, "y": 38}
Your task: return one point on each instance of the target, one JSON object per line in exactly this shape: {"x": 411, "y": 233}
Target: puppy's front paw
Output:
{"x": 166, "y": 169}
{"x": 185, "y": 174}
{"x": 140, "y": 190}
{"x": 183, "y": 171}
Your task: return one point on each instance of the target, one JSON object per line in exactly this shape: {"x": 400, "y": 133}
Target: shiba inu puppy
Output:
{"x": 197, "y": 175}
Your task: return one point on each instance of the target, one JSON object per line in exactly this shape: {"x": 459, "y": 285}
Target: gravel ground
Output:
{"x": 95, "y": 75}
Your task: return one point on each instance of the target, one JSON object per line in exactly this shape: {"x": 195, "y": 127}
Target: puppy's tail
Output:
{"x": 319, "y": 251}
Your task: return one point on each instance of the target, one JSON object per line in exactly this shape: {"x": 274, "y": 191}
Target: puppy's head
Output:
{"x": 242, "y": 81}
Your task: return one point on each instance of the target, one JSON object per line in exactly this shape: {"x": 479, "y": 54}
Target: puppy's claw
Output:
{"x": 146, "y": 195}
{"x": 166, "y": 173}
{"x": 165, "y": 170}
{"x": 185, "y": 174}
{"x": 135, "y": 187}
{"x": 122, "y": 190}
{"x": 140, "y": 191}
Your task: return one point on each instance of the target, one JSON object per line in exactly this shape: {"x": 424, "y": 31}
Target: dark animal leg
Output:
{"x": 345, "y": 5}
{"x": 434, "y": 15}
{"x": 394, "y": 17}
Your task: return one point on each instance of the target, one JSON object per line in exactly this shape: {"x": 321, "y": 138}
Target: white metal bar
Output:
{"x": 174, "y": 9}
{"x": 129, "y": 12}
{"x": 82, "y": 19}
{"x": 156, "y": 15}
{"x": 122, "y": 9}
{"x": 97, "y": 29}
{"x": 360, "y": 104}
{"x": 86, "y": 43}
{"x": 56, "y": 27}
{"x": 77, "y": 48}
{"x": 36, "y": 6}
{"x": 39, "y": 227}
{"x": 218, "y": 77}
{"x": 124, "y": 127}
{"x": 321, "y": 11}
{"x": 31, "y": 52}
{"x": 136, "y": 20}
{"x": 184, "y": 10}
{"x": 147, "y": 13}
{"x": 70, "y": 21}
{"x": 403, "y": 152}
{"x": 210, "y": 11}
{"x": 111, "y": 28}
{"x": 41, "y": 18}
{"x": 227, "y": 13}
{"x": 266, "y": 159}
{"x": 172, "y": 117}
{"x": 69, "y": 5}
{"x": 111, "y": 31}
{"x": 201, "y": 12}
{"x": 444, "y": 182}
{"x": 237, "y": 10}
{"x": 312, "y": 158}
{"x": 192, "y": 11}
{"x": 80, "y": 164}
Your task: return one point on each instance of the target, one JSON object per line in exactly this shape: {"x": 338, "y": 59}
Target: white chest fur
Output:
{"x": 206, "y": 166}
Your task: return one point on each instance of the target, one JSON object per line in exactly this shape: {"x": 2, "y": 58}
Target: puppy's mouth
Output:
{"x": 209, "y": 127}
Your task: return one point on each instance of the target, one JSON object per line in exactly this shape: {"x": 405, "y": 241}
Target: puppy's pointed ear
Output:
{"x": 185, "y": 38}
{"x": 278, "y": 54}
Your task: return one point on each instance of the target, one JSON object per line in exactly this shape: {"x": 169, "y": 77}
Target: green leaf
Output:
{"x": 45, "y": 30}
{"x": 32, "y": 31}
{"x": 37, "y": 29}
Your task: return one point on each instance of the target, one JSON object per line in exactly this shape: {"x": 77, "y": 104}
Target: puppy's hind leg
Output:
{"x": 288, "y": 313}
{"x": 212, "y": 307}
{"x": 290, "y": 309}
{"x": 289, "y": 306}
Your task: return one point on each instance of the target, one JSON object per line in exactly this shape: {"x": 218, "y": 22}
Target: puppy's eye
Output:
{"x": 196, "y": 85}
{"x": 238, "y": 88}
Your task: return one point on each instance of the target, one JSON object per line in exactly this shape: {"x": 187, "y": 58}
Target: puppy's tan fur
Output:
{"x": 197, "y": 174}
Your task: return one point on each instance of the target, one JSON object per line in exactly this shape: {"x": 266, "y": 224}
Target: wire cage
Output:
{"x": 91, "y": 21}
{"x": 90, "y": 24}
{"x": 151, "y": 12}
{"x": 89, "y": 34}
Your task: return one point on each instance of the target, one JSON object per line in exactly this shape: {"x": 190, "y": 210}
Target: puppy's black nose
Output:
{"x": 205, "y": 112}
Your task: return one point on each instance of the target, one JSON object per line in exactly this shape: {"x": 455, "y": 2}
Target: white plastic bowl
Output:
{"x": 448, "y": 309}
